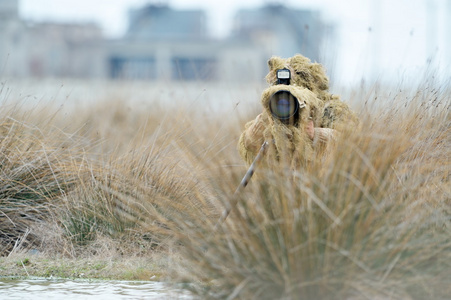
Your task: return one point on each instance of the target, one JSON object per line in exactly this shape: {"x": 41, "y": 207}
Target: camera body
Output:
{"x": 284, "y": 106}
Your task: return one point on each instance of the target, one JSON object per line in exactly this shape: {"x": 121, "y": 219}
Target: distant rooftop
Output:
{"x": 155, "y": 21}
{"x": 273, "y": 16}
{"x": 288, "y": 31}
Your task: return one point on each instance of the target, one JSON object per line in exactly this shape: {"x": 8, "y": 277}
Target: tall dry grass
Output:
{"x": 99, "y": 172}
{"x": 372, "y": 220}
{"x": 33, "y": 172}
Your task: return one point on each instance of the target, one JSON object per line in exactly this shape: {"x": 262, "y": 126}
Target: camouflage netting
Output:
{"x": 310, "y": 85}
{"x": 304, "y": 73}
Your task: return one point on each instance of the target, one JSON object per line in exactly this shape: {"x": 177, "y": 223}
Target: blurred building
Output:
{"x": 161, "y": 43}
{"x": 12, "y": 43}
{"x": 281, "y": 30}
{"x": 48, "y": 49}
{"x": 65, "y": 50}
{"x": 154, "y": 22}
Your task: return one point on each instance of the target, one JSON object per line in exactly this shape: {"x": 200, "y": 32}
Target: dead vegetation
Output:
{"x": 370, "y": 221}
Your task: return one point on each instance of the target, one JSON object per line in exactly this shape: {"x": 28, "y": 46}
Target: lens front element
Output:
{"x": 283, "y": 106}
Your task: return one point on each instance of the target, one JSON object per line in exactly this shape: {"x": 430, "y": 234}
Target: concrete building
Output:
{"x": 13, "y": 44}
{"x": 156, "y": 22}
{"x": 65, "y": 50}
{"x": 48, "y": 49}
{"x": 166, "y": 44}
{"x": 161, "y": 44}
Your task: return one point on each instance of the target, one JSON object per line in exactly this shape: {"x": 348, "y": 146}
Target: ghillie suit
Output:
{"x": 321, "y": 117}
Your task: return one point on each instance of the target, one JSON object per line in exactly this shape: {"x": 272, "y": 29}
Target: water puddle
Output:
{"x": 34, "y": 289}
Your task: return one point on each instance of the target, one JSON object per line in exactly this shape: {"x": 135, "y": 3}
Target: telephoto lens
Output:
{"x": 284, "y": 107}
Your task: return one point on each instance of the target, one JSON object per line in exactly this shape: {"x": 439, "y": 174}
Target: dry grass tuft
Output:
{"x": 33, "y": 174}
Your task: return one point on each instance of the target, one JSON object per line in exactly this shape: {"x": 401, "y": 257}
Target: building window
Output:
{"x": 184, "y": 68}
{"x": 133, "y": 68}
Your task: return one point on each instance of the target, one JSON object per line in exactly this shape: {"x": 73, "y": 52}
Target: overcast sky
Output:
{"x": 403, "y": 34}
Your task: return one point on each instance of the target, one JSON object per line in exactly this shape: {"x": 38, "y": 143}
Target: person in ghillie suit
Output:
{"x": 319, "y": 121}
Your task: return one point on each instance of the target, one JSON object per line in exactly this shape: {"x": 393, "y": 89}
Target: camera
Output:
{"x": 283, "y": 105}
